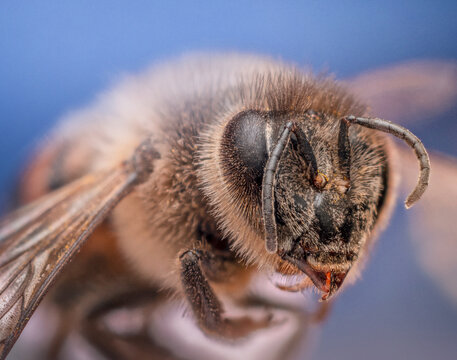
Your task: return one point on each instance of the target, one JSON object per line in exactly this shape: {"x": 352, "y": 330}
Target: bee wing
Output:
{"x": 410, "y": 91}
{"x": 433, "y": 224}
{"x": 414, "y": 91}
{"x": 38, "y": 240}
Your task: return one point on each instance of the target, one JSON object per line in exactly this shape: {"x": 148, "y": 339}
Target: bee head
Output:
{"x": 320, "y": 184}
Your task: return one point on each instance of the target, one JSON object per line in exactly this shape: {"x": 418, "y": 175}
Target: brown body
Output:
{"x": 201, "y": 203}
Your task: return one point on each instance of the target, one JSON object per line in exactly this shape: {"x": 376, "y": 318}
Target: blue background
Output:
{"x": 56, "y": 55}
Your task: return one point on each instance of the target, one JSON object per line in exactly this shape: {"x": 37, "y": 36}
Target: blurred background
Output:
{"x": 55, "y": 56}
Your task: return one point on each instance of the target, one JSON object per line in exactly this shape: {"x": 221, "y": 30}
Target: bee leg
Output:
{"x": 122, "y": 347}
{"x": 206, "y": 306}
{"x": 128, "y": 344}
{"x": 304, "y": 321}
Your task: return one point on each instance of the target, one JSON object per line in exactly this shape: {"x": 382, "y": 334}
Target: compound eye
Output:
{"x": 244, "y": 147}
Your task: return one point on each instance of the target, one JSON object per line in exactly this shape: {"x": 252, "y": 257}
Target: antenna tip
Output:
{"x": 408, "y": 204}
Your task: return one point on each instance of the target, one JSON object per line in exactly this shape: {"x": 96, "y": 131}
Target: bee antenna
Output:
{"x": 268, "y": 185}
{"x": 344, "y": 148}
{"x": 412, "y": 140}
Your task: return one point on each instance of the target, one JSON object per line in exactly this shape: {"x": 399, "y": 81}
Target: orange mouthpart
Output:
{"x": 328, "y": 280}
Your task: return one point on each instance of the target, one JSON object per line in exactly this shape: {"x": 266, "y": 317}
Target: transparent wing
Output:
{"x": 410, "y": 91}
{"x": 39, "y": 239}
{"x": 433, "y": 224}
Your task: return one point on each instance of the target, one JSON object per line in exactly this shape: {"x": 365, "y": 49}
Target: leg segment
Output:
{"x": 138, "y": 345}
{"x": 206, "y": 306}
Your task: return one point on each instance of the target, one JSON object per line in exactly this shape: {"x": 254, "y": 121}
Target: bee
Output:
{"x": 189, "y": 180}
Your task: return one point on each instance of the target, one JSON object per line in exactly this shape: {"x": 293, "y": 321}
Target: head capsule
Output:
{"x": 320, "y": 182}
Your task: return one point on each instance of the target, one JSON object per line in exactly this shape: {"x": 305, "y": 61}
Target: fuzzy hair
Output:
{"x": 184, "y": 106}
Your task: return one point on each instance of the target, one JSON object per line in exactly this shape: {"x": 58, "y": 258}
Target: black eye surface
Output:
{"x": 244, "y": 145}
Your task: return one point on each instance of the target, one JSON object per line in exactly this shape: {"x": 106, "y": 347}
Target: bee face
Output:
{"x": 330, "y": 186}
